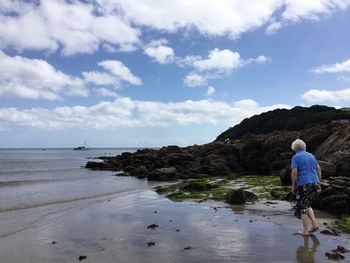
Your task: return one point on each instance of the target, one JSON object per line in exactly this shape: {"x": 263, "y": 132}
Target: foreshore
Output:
{"x": 114, "y": 228}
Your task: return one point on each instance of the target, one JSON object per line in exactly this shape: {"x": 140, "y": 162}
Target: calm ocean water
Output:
{"x": 36, "y": 177}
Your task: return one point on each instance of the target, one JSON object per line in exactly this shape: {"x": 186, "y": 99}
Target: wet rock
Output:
{"x": 341, "y": 249}
{"x": 329, "y": 232}
{"x": 240, "y": 196}
{"x": 334, "y": 256}
{"x": 163, "y": 174}
{"x": 82, "y": 258}
{"x": 151, "y": 243}
{"x": 152, "y": 226}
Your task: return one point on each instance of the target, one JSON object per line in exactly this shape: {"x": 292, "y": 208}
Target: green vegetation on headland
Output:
{"x": 295, "y": 119}
{"x": 219, "y": 189}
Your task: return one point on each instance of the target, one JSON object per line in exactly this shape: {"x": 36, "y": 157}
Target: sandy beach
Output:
{"x": 113, "y": 228}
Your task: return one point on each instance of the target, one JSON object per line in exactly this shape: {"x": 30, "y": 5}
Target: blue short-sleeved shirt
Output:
{"x": 306, "y": 164}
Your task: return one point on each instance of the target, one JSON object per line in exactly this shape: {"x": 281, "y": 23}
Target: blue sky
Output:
{"x": 142, "y": 73}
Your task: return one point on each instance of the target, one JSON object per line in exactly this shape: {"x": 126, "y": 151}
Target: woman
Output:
{"x": 306, "y": 178}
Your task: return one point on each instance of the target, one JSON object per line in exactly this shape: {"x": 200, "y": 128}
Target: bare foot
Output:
{"x": 314, "y": 229}
{"x": 303, "y": 233}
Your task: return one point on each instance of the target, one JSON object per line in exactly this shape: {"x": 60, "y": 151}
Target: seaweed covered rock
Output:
{"x": 240, "y": 196}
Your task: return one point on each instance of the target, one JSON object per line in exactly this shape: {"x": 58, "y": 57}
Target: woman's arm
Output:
{"x": 319, "y": 171}
{"x": 293, "y": 175}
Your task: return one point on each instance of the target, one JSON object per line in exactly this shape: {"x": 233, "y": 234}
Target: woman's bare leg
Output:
{"x": 304, "y": 218}
{"x": 311, "y": 215}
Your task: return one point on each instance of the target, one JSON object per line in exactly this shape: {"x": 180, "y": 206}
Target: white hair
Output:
{"x": 298, "y": 145}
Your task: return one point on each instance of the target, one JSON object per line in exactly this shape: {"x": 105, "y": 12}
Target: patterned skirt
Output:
{"x": 304, "y": 198}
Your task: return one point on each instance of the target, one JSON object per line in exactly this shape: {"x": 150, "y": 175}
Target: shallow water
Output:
{"x": 106, "y": 219}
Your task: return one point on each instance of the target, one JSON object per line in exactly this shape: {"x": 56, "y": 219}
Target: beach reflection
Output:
{"x": 304, "y": 253}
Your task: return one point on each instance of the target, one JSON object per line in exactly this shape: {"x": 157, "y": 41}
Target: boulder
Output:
{"x": 164, "y": 174}
{"x": 343, "y": 166}
{"x": 240, "y": 196}
{"x": 328, "y": 169}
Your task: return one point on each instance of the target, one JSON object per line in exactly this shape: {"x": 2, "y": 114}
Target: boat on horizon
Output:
{"x": 80, "y": 148}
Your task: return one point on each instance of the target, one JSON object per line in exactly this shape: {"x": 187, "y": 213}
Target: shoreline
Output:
{"x": 114, "y": 229}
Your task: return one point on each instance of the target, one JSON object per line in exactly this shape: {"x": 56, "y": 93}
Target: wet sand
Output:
{"x": 114, "y": 229}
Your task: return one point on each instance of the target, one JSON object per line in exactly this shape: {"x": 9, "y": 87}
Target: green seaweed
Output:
{"x": 261, "y": 180}
{"x": 343, "y": 223}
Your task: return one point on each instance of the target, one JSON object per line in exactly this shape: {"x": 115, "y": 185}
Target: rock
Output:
{"x": 82, "y": 258}
{"x": 240, "y": 196}
{"x": 139, "y": 171}
{"x": 334, "y": 255}
{"x": 285, "y": 176}
{"x": 329, "y": 232}
{"x": 151, "y": 243}
{"x": 152, "y": 226}
{"x": 95, "y": 165}
{"x": 335, "y": 196}
{"x": 163, "y": 174}
{"x": 341, "y": 249}
{"x": 343, "y": 166}
{"x": 328, "y": 169}
{"x": 188, "y": 248}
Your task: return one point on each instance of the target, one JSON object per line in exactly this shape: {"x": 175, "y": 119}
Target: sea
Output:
{"x": 38, "y": 177}
{"x": 52, "y": 209}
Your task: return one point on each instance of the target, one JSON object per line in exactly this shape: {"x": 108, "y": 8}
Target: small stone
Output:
{"x": 250, "y": 220}
{"x": 325, "y": 223}
{"x": 170, "y": 220}
{"x": 177, "y": 230}
{"x": 334, "y": 255}
{"x": 341, "y": 249}
{"x": 151, "y": 243}
{"x": 152, "y": 226}
{"x": 188, "y": 248}
{"x": 53, "y": 242}
{"x": 155, "y": 212}
{"x": 82, "y": 258}
{"x": 329, "y": 232}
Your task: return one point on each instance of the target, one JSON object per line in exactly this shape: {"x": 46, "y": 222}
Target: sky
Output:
{"x": 150, "y": 73}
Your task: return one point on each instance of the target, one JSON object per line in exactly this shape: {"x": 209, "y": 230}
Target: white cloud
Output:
{"x": 210, "y": 91}
{"x": 22, "y": 77}
{"x": 106, "y": 92}
{"x": 325, "y": 95}
{"x": 273, "y": 28}
{"x": 84, "y": 26}
{"x": 262, "y": 60}
{"x": 208, "y": 17}
{"x": 343, "y": 78}
{"x": 220, "y": 60}
{"x": 195, "y": 80}
{"x": 230, "y": 17}
{"x": 74, "y": 26}
{"x": 218, "y": 64}
{"x": 127, "y": 113}
{"x": 119, "y": 70}
{"x": 334, "y": 68}
{"x": 161, "y": 54}
{"x": 297, "y": 10}
{"x": 100, "y": 78}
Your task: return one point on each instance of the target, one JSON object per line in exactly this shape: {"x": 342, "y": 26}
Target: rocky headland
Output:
{"x": 325, "y": 130}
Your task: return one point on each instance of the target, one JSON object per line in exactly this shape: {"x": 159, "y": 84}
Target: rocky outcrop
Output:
{"x": 335, "y": 196}
{"x": 252, "y": 154}
{"x": 240, "y": 196}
